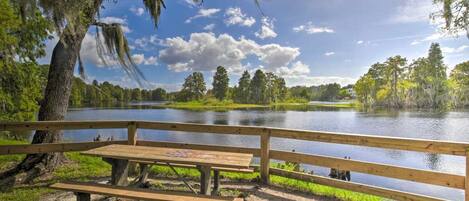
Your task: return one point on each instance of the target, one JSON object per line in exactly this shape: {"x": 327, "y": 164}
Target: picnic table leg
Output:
{"x": 205, "y": 179}
{"x": 120, "y": 171}
{"x": 216, "y": 181}
{"x": 83, "y": 196}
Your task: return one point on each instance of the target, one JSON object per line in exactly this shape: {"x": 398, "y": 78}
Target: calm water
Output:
{"x": 417, "y": 124}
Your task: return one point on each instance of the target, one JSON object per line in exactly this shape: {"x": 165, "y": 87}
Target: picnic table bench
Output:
{"x": 119, "y": 156}
{"x": 83, "y": 191}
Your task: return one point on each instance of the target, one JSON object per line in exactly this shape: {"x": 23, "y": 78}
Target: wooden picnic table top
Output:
{"x": 173, "y": 155}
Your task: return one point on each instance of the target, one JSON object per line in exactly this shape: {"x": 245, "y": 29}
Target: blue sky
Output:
{"x": 309, "y": 42}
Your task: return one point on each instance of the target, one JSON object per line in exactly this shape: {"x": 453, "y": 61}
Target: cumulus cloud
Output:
{"x": 89, "y": 54}
{"x": 127, "y": 82}
{"x": 360, "y": 42}
{"x": 329, "y": 54}
{"x": 138, "y": 58}
{"x": 137, "y": 11}
{"x": 118, "y": 20}
{"x": 267, "y": 29}
{"x": 209, "y": 27}
{"x": 297, "y": 69}
{"x": 147, "y": 42}
{"x": 236, "y": 17}
{"x": 309, "y": 28}
{"x": 451, "y": 50}
{"x": 203, "y": 13}
{"x": 205, "y": 51}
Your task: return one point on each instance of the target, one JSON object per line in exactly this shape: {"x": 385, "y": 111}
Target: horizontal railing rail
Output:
{"x": 266, "y": 153}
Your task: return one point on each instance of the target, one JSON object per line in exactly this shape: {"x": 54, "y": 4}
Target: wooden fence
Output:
{"x": 266, "y": 153}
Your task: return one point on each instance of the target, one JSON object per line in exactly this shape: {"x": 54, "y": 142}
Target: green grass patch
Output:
{"x": 85, "y": 168}
{"x": 210, "y": 103}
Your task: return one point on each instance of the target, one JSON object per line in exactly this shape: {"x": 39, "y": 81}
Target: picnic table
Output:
{"x": 120, "y": 155}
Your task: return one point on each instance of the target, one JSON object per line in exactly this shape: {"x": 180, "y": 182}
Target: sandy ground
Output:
{"x": 250, "y": 192}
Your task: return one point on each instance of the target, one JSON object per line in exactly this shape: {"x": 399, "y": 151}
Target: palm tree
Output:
{"x": 72, "y": 20}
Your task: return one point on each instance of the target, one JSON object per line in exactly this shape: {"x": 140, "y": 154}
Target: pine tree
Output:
{"x": 258, "y": 88}
{"x": 242, "y": 90}
{"x": 220, "y": 83}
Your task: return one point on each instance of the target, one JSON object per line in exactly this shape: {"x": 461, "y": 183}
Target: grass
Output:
{"x": 339, "y": 105}
{"x": 211, "y": 103}
{"x": 86, "y": 168}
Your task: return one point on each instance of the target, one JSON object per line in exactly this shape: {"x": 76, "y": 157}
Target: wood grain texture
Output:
{"x": 417, "y": 175}
{"x": 223, "y": 169}
{"x": 210, "y": 147}
{"x": 409, "y": 144}
{"x": 357, "y": 187}
{"x": 173, "y": 155}
{"x": 133, "y": 193}
{"x": 53, "y": 147}
{"x": 265, "y": 157}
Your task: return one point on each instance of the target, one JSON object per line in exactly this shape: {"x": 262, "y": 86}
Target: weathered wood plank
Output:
{"x": 357, "y": 187}
{"x": 417, "y": 175}
{"x": 265, "y": 158}
{"x": 172, "y": 155}
{"x": 203, "y": 128}
{"x": 224, "y": 169}
{"x": 466, "y": 182}
{"x": 53, "y": 147}
{"x": 408, "y": 144}
{"x": 246, "y": 150}
{"x": 205, "y": 179}
{"x": 62, "y": 125}
{"x": 133, "y": 193}
{"x": 132, "y": 133}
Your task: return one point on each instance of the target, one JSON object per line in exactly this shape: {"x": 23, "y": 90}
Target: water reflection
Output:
{"x": 447, "y": 125}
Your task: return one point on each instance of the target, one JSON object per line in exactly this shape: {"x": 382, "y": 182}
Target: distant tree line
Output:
{"x": 422, "y": 84}
{"x": 263, "y": 88}
{"x": 106, "y": 94}
{"x": 324, "y": 92}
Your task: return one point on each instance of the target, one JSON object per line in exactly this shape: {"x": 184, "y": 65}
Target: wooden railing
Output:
{"x": 266, "y": 153}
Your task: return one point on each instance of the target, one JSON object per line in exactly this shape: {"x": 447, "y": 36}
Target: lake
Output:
{"x": 452, "y": 125}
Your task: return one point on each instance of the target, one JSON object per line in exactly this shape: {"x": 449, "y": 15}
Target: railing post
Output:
{"x": 466, "y": 180}
{"x": 265, "y": 158}
{"x": 132, "y": 133}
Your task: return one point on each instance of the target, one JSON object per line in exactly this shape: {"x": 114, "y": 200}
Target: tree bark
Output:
{"x": 55, "y": 103}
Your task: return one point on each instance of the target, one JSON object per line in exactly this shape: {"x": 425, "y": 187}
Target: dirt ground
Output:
{"x": 250, "y": 192}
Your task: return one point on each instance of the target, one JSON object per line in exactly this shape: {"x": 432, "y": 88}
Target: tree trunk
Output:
{"x": 55, "y": 103}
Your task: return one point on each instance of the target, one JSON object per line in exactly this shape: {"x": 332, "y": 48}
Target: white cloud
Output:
{"x": 205, "y": 51}
{"x": 414, "y": 11}
{"x": 138, "y": 58}
{"x": 203, "y": 13}
{"x": 451, "y": 50}
{"x": 360, "y": 42}
{"x": 137, "y": 11}
{"x": 127, "y": 82}
{"x": 329, "y": 54}
{"x": 147, "y": 42}
{"x": 117, "y": 20}
{"x": 89, "y": 53}
{"x": 415, "y": 42}
{"x": 150, "y": 61}
{"x": 297, "y": 69}
{"x": 237, "y": 17}
{"x": 209, "y": 27}
{"x": 267, "y": 29}
{"x": 309, "y": 28}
